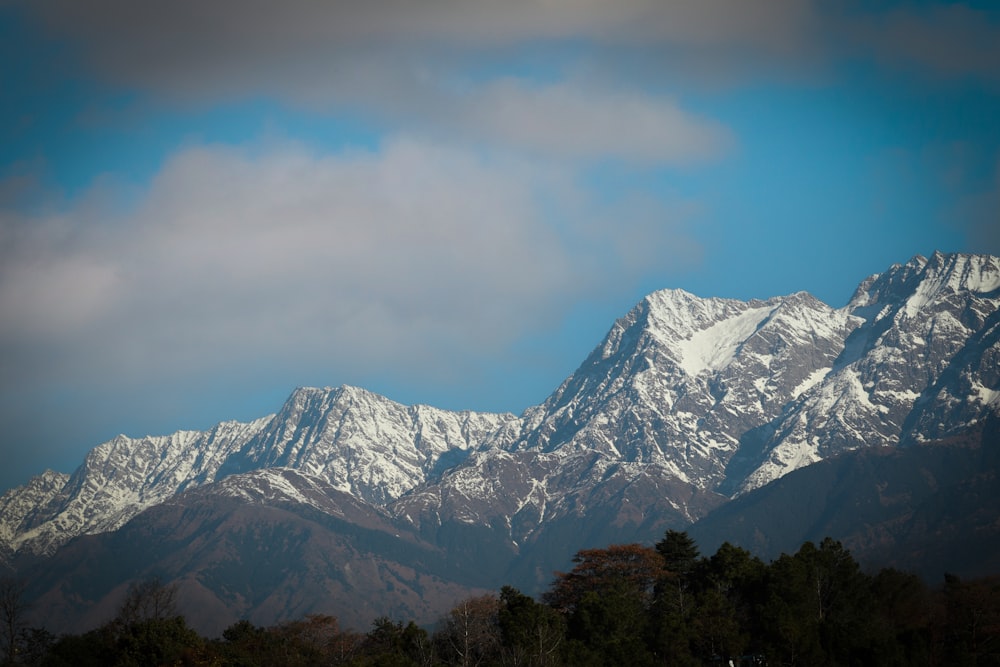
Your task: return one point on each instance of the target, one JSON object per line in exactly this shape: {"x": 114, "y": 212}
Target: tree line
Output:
{"x": 630, "y": 605}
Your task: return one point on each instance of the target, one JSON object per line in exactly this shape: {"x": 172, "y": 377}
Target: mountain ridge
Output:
{"x": 686, "y": 404}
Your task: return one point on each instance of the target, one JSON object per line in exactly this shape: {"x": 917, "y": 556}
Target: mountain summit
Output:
{"x": 687, "y": 403}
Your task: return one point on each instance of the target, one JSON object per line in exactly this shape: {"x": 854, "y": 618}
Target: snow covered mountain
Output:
{"x": 359, "y": 442}
{"x": 679, "y": 380}
{"x": 646, "y": 425}
{"x": 363, "y": 443}
{"x": 686, "y": 403}
{"x": 118, "y": 479}
{"x": 923, "y": 365}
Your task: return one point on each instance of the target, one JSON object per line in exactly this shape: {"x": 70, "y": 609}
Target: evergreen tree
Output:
{"x": 818, "y": 606}
{"x": 679, "y": 552}
{"x": 606, "y": 599}
{"x": 670, "y": 630}
{"x": 245, "y": 645}
{"x": 737, "y": 577}
{"x": 609, "y": 628}
{"x": 618, "y": 606}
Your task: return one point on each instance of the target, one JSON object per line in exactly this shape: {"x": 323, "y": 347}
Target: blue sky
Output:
{"x": 206, "y": 204}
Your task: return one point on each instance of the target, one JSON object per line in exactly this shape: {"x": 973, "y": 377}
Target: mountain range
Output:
{"x": 762, "y": 423}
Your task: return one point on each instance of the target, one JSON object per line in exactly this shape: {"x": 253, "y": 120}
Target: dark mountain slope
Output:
{"x": 929, "y": 508}
{"x": 232, "y": 557}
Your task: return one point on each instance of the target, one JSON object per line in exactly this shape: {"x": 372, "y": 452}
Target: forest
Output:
{"x": 628, "y": 604}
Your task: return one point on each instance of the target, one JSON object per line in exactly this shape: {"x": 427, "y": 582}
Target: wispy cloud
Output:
{"x": 570, "y": 121}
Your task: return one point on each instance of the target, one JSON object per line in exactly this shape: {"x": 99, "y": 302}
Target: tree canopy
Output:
{"x": 624, "y": 604}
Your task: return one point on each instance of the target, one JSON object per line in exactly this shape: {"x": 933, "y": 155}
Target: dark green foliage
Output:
{"x": 155, "y": 642}
{"x": 91, "y": 649}
{"x": 245, "y": 645}
{"x": 147, "y": 642}
{"x": 609, "y": 628}
{"x": 607, "y": 599}
{"x": 146, "y": 631}
{"x": 620, "y": 568}
{"x": 531, "y": 634}
{"x": 679, "y": 552}
{"x": 624, "y": 605}
{"x": 391, "y": 644}
{"x": 819, "y": 606}
{"x": 901, "y": 623}
{"x": 671, "y": 630}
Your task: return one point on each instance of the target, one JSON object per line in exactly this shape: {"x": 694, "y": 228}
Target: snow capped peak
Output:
{"x": 354, "y": 440}
{"x": 680, "y": 379}
{"x": 679, "y": 313}
{"x": 922, "y": 281}
{"x": 363, "y": 443}
{"x": 306, "y": 395}
{"x": 964, "y": 272}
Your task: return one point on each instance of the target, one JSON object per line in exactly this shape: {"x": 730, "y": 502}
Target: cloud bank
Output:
{"x": 415, "y": 258}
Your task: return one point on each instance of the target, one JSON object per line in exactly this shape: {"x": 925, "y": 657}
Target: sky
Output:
{"x": 205, "y": 204}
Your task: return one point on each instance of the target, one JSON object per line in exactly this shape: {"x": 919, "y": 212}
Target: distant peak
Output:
{"x": 797, "y": 298}
{"x": 921, "y": 280}
{"x": 678, "y": 301}
{"x": 976, "y": 273}
{"x": 340, "y": 390}
{"x": 323, "y": 398}
{"x": 673, "y": 300}
{"x": 672, "y": 294}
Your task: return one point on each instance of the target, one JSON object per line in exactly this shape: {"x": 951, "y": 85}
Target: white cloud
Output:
{"x": 571, "y": 121}
{"x": 412, "y": 260}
